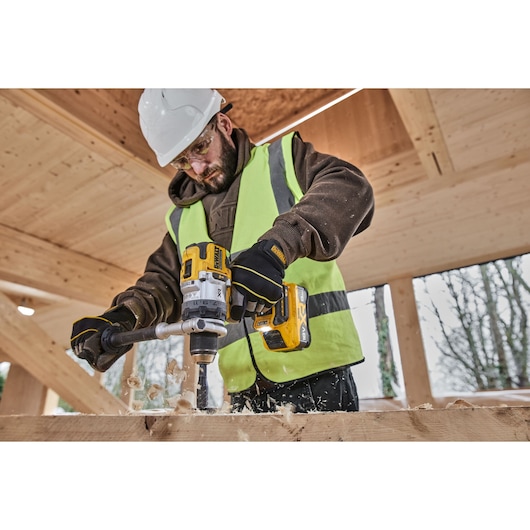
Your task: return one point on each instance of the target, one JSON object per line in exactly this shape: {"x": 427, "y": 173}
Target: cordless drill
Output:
{"x": 205, "y": 282}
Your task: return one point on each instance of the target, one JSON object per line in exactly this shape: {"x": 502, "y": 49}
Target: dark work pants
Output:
{"x": 334, "y": 390}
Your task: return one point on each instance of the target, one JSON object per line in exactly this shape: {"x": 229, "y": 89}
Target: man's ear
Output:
{"x": 224, "y": 124}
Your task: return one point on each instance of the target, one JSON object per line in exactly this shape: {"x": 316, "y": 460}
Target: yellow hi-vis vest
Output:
{"x": 269, "y": 187}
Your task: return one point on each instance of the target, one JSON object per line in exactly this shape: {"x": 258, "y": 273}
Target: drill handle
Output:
{"x": 111, "y": 338}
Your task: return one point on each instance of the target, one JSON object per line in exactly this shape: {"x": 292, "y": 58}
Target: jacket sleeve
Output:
{"x": 338, "y": 203}
{"x": 156, "y": 296}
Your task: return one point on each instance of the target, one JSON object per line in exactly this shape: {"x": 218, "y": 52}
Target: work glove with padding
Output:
{"x": 86, "y": 337}
{"x": 257, "y": 276}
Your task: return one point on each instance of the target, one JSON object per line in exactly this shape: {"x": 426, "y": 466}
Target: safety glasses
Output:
{"x": 197, "y": 149}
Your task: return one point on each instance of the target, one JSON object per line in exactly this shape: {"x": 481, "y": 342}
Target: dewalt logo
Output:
{"x": 218, "y": 258}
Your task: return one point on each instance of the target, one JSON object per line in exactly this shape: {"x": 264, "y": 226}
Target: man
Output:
{"x": 285, "y": 213}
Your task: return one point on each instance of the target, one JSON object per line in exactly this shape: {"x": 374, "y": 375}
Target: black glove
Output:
{"x": 257, "y": 276}
{"x": 86, "y": 337}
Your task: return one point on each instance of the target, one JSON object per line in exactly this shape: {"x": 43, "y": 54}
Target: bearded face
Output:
{"x": 219, "y": 176}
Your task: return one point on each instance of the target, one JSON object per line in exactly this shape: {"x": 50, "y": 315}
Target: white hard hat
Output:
{"x": 172, "y": 118}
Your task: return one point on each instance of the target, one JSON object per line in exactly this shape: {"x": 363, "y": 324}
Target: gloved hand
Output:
{"x": 257, "y": 276}
{"x": 86, "y": 337}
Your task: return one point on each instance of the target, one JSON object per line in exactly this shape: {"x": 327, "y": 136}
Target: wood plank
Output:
{"x": 39, "y": 355}
{"x": 411, "y": 350}
{"x": 419, "y": 116}
{"x": 468, "y": 424}
{"x": 23, "y": 393}
{"x": 29, "y": 261}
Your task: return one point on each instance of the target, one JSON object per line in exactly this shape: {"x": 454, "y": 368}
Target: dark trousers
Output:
{"x": 334, "y": 390}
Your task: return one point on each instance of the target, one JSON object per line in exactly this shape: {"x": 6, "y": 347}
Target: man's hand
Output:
{"x": 86, "y": 337}
{"x": 257, "y": 276}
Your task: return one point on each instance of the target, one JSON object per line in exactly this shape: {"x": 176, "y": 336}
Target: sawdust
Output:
{"x": 287, "y": 411}
{"x": 427, "y": 406}
{"x": 225, "y": 408}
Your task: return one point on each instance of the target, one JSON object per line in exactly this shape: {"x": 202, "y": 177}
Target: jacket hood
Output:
{"x": 184, "y": 191}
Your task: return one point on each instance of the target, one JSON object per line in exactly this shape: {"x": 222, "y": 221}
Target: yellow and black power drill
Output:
{"x": 205, "y": 283}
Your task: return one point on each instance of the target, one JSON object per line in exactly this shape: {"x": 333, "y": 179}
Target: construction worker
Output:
{"x": 285, "y": 212}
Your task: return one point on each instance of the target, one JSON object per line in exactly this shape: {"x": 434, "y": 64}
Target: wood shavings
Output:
{"x": 427, "y": 406}
{"x": 459, "y": 404}
{"x": 183, "y": 406}
{"x": 154, "y": 391}
{"x": 174, "y": 372}
{"x": 133, "y": 381}
{"x": 287, "y": 411}
{"x": 225, "y": 408}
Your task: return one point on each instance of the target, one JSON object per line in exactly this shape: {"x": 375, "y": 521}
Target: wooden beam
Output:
{"x": 42, "y": 105}
{"x": 469, "y": 424}
{"x": 23, "y": 393}
{"x": 39, "y": 355}
{"x": 33, "y": 262}
{"x": 419, "y": 117}
{"x": 411, "y": 350}
{"x": 51, "y": 402}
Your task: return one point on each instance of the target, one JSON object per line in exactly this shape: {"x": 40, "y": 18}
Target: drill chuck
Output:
{"x": 203, "y": 346}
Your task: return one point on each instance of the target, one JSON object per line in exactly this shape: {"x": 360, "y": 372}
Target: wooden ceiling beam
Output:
{"x": 27, "y": 260}
{"x": 419, "y": 117}
{"x": 39, "y": 354}
{"x": 43, "y": 106}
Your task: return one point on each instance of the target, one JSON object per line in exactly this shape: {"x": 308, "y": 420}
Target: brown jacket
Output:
{"x": 338, "y": 203}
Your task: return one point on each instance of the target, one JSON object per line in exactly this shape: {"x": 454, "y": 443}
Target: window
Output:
{"x": 380, "y": 374}
{"x": 475, "y": 326}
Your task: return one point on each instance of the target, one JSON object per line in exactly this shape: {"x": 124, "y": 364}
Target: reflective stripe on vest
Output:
{"x": 334, "y": 339}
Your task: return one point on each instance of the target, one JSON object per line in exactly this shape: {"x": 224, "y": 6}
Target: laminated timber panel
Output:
{"x": 474, "y": 216}
{"x": 466, "y": 424}
{"x": 54, "y": 107}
